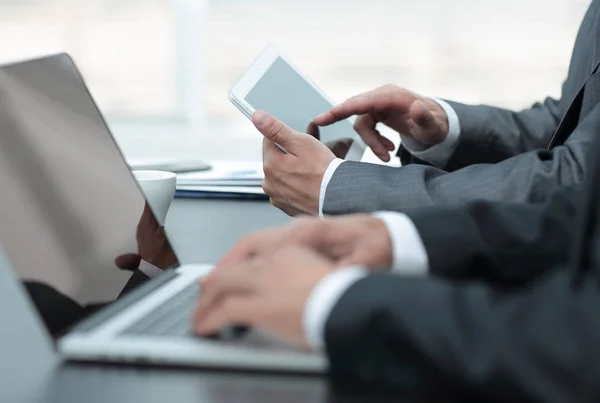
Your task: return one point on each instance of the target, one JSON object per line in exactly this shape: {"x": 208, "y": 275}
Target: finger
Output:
{"x": 365, "y": 127}
{"x": 422, "y": 116}
{"x": 378, "y": 100}
{"x": 351, "y": 259}
{"x": 270, "y": 151}
{"x": 218, "y": 284}
{"x": 272, "y": 160}
{"x": 130, "y": 261}
{"x": 357, "y": 105}
{"x": 276, "y": 131}
{"x": 313, "y": 130}
{"x": 233, "y": 310}
{"x": 387, "y": 143}
{"x": 340, "y": 147}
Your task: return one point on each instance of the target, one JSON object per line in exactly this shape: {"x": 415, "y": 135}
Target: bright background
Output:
{"x": 160, "y": 69}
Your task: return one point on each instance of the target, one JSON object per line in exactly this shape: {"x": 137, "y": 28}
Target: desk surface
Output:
{"x": 202, "y": 230}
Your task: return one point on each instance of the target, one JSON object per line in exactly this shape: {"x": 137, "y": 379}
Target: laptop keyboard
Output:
{"x": 172, "y": 318}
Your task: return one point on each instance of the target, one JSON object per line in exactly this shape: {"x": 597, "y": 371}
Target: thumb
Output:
{"x": 424, "y": 126}
{"x": 348, "y": 260}
{"x": 422, "y": 116}
{"x": 275, "y": 130}
{"x": 129, "y": 261}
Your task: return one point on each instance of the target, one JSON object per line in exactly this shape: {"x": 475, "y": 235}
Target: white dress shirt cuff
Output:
{"x": 322, "y": 300}
{"x": 409, "y": 256}
{"x": 439, "y": 154}
{"x": 333, "y": 165}
{"x": 149, "y": 269}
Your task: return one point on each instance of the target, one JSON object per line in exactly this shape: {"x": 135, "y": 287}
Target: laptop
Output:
{"x": 69, "y": 207}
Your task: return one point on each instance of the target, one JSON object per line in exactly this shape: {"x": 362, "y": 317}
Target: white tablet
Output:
{"x": 273, "y": 84}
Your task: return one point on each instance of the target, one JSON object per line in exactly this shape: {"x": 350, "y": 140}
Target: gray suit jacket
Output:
{"x": 502, "y": 155}
{"x": 525, "y": 333}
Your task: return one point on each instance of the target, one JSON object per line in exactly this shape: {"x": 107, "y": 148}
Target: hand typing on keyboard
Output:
{"x": 267, "y": 292}
{"x": 229, "y": 333}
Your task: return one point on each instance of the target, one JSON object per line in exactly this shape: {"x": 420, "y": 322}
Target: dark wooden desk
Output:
{"x": 201, "y": 231}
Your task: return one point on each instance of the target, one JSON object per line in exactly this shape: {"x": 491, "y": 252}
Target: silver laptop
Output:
{"x": 69, "y": 207}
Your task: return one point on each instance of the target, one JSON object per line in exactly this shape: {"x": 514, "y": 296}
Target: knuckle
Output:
{"x": 276, "y": 130}
{"x": 268, "y": 168}
{"x": 243, "y": 244}
{"x": 267, "y": 188}
{"x": 303, "y": 223}
{"x": 306, "y": 227}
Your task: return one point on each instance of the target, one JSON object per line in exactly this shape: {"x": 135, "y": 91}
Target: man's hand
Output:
{"x": 153, "y": 245}
{"x": 292, "y": 179}
{"x": 349, "y": 240}
{"x": 268, "y": 292}
{"x": 402, "y": 110}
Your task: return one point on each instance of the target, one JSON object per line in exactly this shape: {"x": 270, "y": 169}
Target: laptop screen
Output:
{"x": 69, "y": 207}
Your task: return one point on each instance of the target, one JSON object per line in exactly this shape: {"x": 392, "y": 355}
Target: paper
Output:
{"x": 257, "y": 190}
{"x": 222, "y": 192}
{"x": 225, "y": 173}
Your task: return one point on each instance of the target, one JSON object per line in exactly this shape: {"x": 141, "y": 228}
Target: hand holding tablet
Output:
{"x": 274, "y": 85}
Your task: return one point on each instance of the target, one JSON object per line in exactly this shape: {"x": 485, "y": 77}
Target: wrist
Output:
{"x": 375, "y": 234}
{"x": 386, "y": 255}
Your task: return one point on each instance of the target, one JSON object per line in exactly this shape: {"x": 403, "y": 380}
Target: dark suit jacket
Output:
{"x": 59, "y": 312}
{"x": 500, "y": 155}
{"x": 519, "y": 332}
{"x": 506, "y": 243}
{"x": 514, "y": 242}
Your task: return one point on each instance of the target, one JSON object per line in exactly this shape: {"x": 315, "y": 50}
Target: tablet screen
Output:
{"x": 285, "y": 94}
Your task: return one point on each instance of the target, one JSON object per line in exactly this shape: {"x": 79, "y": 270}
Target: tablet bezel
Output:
{"x": 242, "y": 87}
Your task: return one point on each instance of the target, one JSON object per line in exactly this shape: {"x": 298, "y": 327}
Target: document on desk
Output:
{"x": 222, "y": 192}
{"x": 225, "y": 173}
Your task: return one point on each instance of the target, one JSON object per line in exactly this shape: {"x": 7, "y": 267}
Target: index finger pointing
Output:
{"x": 358, "y": 105}
{"x": 379, "y": 100}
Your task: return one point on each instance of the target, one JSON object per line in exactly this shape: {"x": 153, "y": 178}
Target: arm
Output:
{"x": 489, "y": 134}
{"x": 505, "y": 243}
{"x": 359, "y": 187}
{"x": 536, "y": 344}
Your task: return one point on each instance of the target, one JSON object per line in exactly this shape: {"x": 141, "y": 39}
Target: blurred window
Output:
{"x": 163, "y": 63}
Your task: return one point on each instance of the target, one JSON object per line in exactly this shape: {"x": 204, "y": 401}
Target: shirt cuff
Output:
{"x": 149, "y": 269}
{"x": 322, "y": 300}
{"x": 439, "y": 154}
{"x": 409, "y": 256}
{"x": 333, "y": 165}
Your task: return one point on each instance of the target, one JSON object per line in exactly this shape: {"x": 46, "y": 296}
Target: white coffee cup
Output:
{"x": 159, "y": 189}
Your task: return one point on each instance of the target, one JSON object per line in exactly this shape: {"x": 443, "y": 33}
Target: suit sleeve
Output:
{"x": 489, "y": 134}
{"x": 536, "y": 344}
{"x": 360, "y": 187}
{"x": 510, "y": 243}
